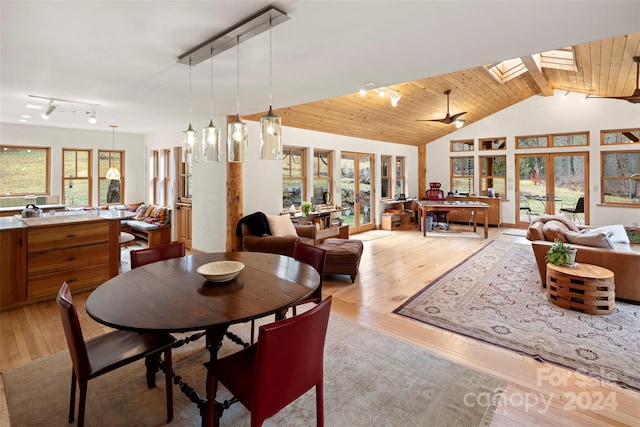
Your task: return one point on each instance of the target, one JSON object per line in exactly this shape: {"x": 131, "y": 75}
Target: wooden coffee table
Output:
{"x": 582, "y": 287}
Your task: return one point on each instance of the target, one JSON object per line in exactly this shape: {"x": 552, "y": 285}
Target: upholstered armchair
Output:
{"x": 273, "y": 233}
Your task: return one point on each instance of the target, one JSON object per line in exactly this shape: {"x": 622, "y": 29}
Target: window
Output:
{"x": 493, "y": 173}
{"x": 322, "y": 176}
{"x": 558, "y": 140}
{"x": 24, "y": 170}
{"x": 462, "y": 145}
{"x": 76, "y": 177}
{"x": 293, "y": 177}
{"x": 110, "y": 190}
{"x": 185, "y": 184}
{"x": 156, "y": 174}
{"x": 400, "y": 176}
{"x": 493, "y": 143}
{"x": 623, "y": 136}
{"x": 167, "y": 177}
{"x": 621, "y": 177}
{"x": 462, "y": 174}
{"x": 385, "y": 174}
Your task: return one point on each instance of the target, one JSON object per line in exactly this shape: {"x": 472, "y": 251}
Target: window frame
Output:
{"x": 486, "y": 178}
{"x": 459, "y": 145}
{"x": 619, "y": 131}
{"x": 550, "y": 139}
{"x": 487, "y": 144}
{"x": 400, "y": 179}
{"x": 286, "y": 157}
{"x": 453, "y": 176}
{"x": 328, "y": 180}
{"x": 386, "y": 178}
{"x": 101, "y": 176}
{"x": 185, "y": 177}
{"x": 69, "y": 180}
{"x": 621, "y": 177}
{"x": 46, "y": 191}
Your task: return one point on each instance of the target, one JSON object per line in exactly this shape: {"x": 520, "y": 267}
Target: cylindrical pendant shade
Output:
{"x": 188, "y": 144}
{"x": 211, "y": 143}
{"x": 271, "y": 136}
{"x": 237, "y": 141}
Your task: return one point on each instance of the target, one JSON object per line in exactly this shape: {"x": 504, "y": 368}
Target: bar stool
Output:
{"x": 123, "y": 239}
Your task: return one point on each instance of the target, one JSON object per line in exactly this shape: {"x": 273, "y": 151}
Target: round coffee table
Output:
{"x": 582, "y": 287}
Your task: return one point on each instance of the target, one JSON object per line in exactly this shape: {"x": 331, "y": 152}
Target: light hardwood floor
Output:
{"x": 392, "y": 269}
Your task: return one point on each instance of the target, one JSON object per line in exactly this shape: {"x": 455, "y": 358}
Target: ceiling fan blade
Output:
{"x": 631, "y": 136}
{"x": 433, "y": 120}
{"x": 455, "y": 116}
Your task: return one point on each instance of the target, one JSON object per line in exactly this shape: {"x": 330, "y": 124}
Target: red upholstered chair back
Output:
{"x": 435, "y": 195}
{"x": 157, "y": 253}
{"x": 73, "y": 332}
{"x": 289, "y": 360}
{"x": 317, "y": 258}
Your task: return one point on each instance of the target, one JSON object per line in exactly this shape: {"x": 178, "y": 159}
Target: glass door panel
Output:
{"x": 365, "y": 171}
{"x": 356, "y": 176}
{"x": 348, "y": 189}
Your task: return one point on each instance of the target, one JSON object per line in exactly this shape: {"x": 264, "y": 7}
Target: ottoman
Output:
{"x": 343, "y": 256}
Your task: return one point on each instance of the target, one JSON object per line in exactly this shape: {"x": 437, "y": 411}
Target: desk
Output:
{"x": 426, "y": 206}
{"x": 170, "y": 296}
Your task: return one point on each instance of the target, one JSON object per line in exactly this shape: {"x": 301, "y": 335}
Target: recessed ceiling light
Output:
{"x": 22, "y": 120}
{"x": 25, "y": 116}
{"x": 35, "y": 107}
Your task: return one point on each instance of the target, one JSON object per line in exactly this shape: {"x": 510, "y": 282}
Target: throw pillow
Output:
{"x": 588, "y": 238}
{"x": 140, "y": 212}
{"x": 618, "y": 233}
{"x": 281, "y": 226}
{"x": 132, "y": 207}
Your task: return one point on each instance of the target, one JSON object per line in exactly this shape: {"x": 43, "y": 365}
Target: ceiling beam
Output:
{"x": 535, "y": 71}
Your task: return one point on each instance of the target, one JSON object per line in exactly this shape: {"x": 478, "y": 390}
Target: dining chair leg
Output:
{"x": 72, "y": 399}
{"x": 82, "y": 403}
{"x": 151, "y": 362}
{"x": 319, "y": 405}
{"x": 168, "y": 374}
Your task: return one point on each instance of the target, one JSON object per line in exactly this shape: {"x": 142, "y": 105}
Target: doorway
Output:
{"x": 356, "y": 178}
{"x": 549, "y": 182}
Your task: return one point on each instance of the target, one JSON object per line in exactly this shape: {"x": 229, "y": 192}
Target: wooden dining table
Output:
{"x": 170, "y": 296}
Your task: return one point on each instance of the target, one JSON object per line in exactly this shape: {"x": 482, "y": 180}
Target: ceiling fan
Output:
{"x": 634, "y": 98}
{"x": 448, "y": 119}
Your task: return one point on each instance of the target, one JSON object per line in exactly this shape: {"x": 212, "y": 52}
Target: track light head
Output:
{"x": 50, "y": 110}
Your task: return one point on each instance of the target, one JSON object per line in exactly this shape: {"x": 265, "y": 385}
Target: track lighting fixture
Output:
{"x": 394, "y": 96}
{"x": 92, "y": 117}
{"x": 50, "y": 110}
{"x": 65, "y": 106}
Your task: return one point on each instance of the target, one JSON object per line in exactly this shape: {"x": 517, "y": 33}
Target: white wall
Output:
{"x": 58, "y": 138}
{"x": 545, "y": 115}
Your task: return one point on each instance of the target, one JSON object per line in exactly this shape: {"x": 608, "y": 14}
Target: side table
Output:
{"x": 582, "y": 287}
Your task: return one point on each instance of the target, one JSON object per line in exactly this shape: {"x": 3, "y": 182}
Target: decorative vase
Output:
{"x": 571, "y": 256}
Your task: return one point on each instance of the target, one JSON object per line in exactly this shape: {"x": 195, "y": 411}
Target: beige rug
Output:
{"x": 370, "y": 380}
{"x": 496, "y": 296}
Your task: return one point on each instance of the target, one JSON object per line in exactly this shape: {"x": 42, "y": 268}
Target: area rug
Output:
{"x": 495, "y": 296}
{"x": 370, "y": 379}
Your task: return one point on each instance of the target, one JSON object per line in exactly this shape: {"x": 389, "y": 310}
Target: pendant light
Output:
{"x": 189, "y": 136}
{"x": 113, "y": 172}
{"x": 211, "y": 134}
{"x": 270, "y": 124}
{"x": 237, "y": 131}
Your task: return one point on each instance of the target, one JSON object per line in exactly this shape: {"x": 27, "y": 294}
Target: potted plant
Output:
{"x": 561, "y": 254}
{"x": 306, "y": 208}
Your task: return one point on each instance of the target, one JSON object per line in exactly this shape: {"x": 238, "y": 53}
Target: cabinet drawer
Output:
{"x": 47, "y": 285}
{"x": 67, "y": 259}
{"x": 65, "y": 236}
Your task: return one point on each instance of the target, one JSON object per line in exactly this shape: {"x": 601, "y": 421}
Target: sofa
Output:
{"x": 151, "y": 223}
{"x": 606, "y": 247}
{"x": 273, "y": 233}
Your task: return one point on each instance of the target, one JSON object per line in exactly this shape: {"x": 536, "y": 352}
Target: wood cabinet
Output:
{"x": 184, "y": 223}
{"x": 13, "y": 266}
{"x": 76, "y": 253}
{"x": 464, "y": 215}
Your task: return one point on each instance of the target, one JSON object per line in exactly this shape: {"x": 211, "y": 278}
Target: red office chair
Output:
{"x": 157, "y": 253}
{"x": 285, "y": 363}
{"x": 110, "y": 351}
{"x": 434, "y": 193}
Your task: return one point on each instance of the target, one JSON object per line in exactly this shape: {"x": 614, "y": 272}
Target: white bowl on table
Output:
{"x": 220, "y": 271}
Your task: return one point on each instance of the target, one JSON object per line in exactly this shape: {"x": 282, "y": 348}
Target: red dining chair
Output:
{"x": 157, "y": 253}
{"x": 317, "y": 258}
{"x": 110, "y": 351}
{"x": 285, "y": 363}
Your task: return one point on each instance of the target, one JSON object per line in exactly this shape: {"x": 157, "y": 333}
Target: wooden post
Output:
{"x": 234, "y": 201}
{"x": 422, "y": 171}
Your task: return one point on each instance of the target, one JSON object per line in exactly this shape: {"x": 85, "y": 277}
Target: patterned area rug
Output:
{"x": 495, "y": 296}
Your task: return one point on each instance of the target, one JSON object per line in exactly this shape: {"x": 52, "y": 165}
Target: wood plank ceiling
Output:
{"x": 605, "y": 68}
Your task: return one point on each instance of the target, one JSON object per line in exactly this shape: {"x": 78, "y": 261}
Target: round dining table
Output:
{"x": 171, "y": 296}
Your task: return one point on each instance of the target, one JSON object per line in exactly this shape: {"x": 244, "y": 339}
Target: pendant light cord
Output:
{"x": 238, "y": 78}
{"x": 270, "y": 67}
{"x": 189, "y": 91}
{"x": 211, "y": 102}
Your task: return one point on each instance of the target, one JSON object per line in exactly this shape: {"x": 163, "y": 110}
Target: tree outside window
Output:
{"x": 493, "y": 173}
{"x": 385, "y": 177}
{"x": 110, "y": 190}
{"x": 462, "y": 174}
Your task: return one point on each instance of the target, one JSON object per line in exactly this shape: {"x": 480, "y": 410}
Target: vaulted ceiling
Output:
{"x": 604, "y": 68}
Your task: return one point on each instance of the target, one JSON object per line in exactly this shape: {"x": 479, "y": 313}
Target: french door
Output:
{"x": 356, "y": 178}
{"x": 548, "y": 182}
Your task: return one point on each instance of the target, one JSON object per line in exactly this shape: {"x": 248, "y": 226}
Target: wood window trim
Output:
{"x": 47, "y": 190}
{"x": 550, "y": 140}
{"x": 620, "y": 131}
{"x": 604, "y": 178}
{"x": 88, "y": 178}
{"x": 101, "y": 177}
{"x": 464, "y": 142}
{"x": 490, "y": 142}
